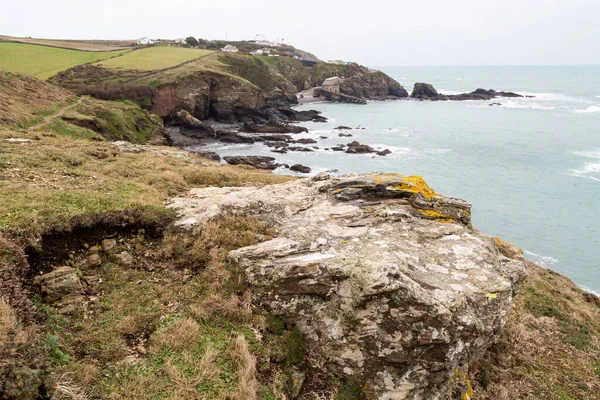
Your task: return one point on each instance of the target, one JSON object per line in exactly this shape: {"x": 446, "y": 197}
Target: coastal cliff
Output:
{"x": 130, "y": 270}
{"x": 229, "y": 87}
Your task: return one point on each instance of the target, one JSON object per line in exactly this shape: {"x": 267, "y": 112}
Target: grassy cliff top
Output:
{"x": 43, "y": 61}
{"x": 153, "y": 58}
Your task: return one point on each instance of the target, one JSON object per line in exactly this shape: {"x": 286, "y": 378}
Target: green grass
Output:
{"x": 153, "y": 58}
{"x": 42, "y": 61}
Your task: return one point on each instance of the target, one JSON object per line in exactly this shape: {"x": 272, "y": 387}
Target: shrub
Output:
{"x": 192, "y": 41}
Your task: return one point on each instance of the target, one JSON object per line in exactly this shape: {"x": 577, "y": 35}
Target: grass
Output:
{"x": 549, "y": 348}
{"x": 52, "y": 179}
{"x": 153, "y": 58}
{"x": 42, "y": 62}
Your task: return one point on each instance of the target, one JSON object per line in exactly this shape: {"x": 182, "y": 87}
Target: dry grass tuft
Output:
{"x": 246, "y": 363}
{"x": 66, "y": 389}
{"x": 205, "y": 372}
{"x": 8, "y": 322}
{"x": 177, "y": 336}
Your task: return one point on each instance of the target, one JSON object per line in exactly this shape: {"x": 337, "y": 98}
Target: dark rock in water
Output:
{"x": 305, "y": 116}
{"x": 276, "y": 144}
{"x": 384, "y": 152}
{"x": 209, "y": 155}
{"x": 342, "y": 127}
{"x": 323, "y": 137}
{"x": 281, "y": 150}
{"x": 345, "y": 135}
{"x": 494, "y": 104}
{"x": 305, "y": 141}
{"x": 272, "y": 127}
{"x": 357, "y": 148}
{"x": 300, "y": 168}
{"x": 233, "y": 137}
{"x": 299, "y": 148}
{"x": 261, "y": 162}
{"x": 424, "y": 91}
{"x": 272, "y": 137}
{"x": 338, "y": 148}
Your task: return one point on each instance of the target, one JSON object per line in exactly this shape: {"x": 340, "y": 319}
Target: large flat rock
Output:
{"x": 381, "y": 274}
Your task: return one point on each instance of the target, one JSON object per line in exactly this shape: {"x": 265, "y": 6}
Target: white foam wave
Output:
{"x": 587, "y": 110}
{"x": 587, "y": 289}
{"x": 451, "y": 92}
{"x": 516, "y": 105}
{"x": 546, "y": 96}
{"x": 544, "y": 261}
{"x": 589, "y": 154}
{"x": 598, "y": 97}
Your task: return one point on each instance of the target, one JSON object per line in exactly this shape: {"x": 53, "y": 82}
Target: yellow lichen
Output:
{"x": 415, "y": 184}
{"x": 437, "y": 215}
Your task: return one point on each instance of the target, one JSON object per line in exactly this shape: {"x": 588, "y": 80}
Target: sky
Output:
{"x": 373, "y": 32}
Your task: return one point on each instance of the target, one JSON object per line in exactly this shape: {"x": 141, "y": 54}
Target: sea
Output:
{"x": 530, "y": 167}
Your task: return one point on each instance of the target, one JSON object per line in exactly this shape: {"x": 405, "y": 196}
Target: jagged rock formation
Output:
{"x": 426, "y": 91}
{"x": 382, "y": 275}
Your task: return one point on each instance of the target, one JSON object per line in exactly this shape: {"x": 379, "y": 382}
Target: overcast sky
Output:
{"x": 372, "y": 32}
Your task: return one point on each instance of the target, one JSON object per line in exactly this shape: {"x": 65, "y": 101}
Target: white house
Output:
{"x": 179, "y": 41}
{"x": 230, "y": 49}
{"x": 145, "y": 41}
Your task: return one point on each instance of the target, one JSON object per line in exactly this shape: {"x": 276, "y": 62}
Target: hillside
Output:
{"x": 43, "y": 61}
{"x": 29, "y": 103}
{"x": 217, "y": 85}
{"x": 84, "y": 45}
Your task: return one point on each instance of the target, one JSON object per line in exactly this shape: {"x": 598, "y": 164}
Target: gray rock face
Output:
{"x": 381, "y": 274}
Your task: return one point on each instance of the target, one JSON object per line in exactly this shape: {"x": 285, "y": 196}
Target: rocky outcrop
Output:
{"x": 260, "y": 162}
{"x": 300, "y": 168}
{"x": 426, "y": 91}
{"x": 62, "y": 288}
{"x": 191, "y": 126}
{"x": 383, "y": 276}
{"x": 272, "y": 127}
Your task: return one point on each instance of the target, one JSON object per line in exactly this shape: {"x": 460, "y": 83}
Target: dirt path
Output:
{"x": 49, "y": 118}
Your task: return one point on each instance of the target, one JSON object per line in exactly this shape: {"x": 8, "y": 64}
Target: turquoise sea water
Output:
{"x": 530, "y": 167}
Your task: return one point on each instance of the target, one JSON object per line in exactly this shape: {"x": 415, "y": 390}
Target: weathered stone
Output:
{"x": 382, "y": 275}
{"x": 298, "y": 378}
{"x": 58, "y": 284}
{"x": 108, "y": 245}
{"x": 94, "y": 260}
{"x": 123, "y": 258}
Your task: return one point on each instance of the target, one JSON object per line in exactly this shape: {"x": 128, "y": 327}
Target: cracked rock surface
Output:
{"x": 382, "y": 275}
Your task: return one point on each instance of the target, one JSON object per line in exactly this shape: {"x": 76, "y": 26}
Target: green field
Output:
{"x": 153, "y": 58}
{"x": 42, "y": 61}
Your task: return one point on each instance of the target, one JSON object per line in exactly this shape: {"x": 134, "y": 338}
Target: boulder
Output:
{"x": 300, "y": 168}
{"x": 194, "y": 127}
{"x": 260, "y": 162}
{"x": 342, "y": 127}
{"x": 59, "y": 284}
{"x": 357, "y": 148}
{"x": 384, "y": 277}
{"x": 384, "y": 152}
{"x": 305, "y": 141}
{"x": 345, "y": 134}
{"x": 424, "y": 91}
{"x": 299, "y": 148}
{"x": 208, "y": 155}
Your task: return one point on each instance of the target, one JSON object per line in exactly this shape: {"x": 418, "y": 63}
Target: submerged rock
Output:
{"x": 358, "y": 148}
{"x": 383, "y": 276}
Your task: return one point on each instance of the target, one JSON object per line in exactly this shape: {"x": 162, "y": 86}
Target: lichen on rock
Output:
{"x": 382, "y": 275}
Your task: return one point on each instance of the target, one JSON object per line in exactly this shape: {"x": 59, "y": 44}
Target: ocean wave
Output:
{"x": 587, "y": 110}
{"x": 589, "y": 154}
{"x": 546, "y": 96}
{"x": 544, "y": 261}
{"x": 516, "y": 105}
{"x": 587, "y": 289}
